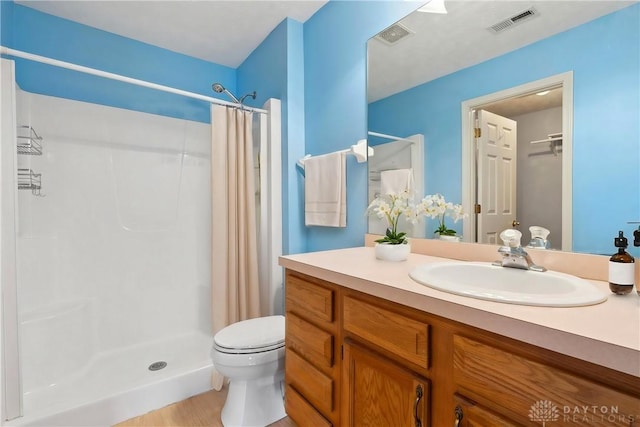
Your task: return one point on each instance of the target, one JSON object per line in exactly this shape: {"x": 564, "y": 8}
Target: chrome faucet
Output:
{"x": 514, "y": 255}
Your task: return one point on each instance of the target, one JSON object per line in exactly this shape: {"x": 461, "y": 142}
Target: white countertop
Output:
{"x": 607, "y": 334}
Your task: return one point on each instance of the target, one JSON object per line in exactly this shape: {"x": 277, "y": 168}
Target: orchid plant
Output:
{"x": 391, "y": 207}
{"x": 435, "y": 206}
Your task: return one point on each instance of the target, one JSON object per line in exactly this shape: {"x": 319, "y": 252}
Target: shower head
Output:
{"x": 218, "y": 88}
{"x": 252, "y": 95}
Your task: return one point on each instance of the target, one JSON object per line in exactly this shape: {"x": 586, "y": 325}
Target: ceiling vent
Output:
{"x": 393, "y": 34}
{"x": 519, "y": 18}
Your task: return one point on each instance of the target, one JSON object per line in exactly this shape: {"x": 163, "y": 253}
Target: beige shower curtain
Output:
{"x": 234, "y": 248}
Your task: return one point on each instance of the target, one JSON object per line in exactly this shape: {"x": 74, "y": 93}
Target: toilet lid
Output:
{"x": 253, "y": 335}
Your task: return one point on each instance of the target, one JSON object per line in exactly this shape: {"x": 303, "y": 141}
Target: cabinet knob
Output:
{"x": 459, "y": 415}
{"x": 415, "y": 406}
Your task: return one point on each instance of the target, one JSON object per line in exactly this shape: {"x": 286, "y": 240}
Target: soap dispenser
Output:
{"x": 636, "y": 242}
{"x": 621, "y": 267}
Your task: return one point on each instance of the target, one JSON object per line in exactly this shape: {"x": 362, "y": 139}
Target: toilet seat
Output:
{"x": 251, "y": 336}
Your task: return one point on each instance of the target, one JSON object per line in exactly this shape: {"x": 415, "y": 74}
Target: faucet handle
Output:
{"x": 511, "y": 237}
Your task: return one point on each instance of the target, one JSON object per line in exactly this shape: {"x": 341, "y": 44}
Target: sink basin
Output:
{"x": 509, "y": 285}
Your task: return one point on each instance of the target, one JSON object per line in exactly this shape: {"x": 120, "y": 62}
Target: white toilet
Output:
{"x": 251, "y": 354}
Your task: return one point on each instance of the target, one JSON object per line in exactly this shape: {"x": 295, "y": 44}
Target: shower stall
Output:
{"x": 106, "y": 258}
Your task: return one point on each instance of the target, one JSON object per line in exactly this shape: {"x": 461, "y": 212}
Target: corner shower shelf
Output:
{"x": 28, "y": 180}
{"x": 29, "y": 142}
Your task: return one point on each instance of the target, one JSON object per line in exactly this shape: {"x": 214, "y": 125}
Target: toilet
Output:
{"x": 250, "y": 354}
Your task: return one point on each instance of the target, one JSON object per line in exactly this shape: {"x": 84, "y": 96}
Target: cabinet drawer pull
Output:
{"x": 415, "y": 406}
{"x": 459, "y": 414}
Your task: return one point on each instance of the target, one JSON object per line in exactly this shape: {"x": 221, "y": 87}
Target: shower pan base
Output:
{"x": 117, "y": 385}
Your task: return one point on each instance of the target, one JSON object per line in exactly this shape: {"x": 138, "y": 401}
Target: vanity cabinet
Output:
{"x": 312, "y": 371}
{"x": 355, "y": 359}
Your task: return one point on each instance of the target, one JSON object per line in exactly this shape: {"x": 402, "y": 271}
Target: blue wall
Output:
{"x": 39, "y": 33}
{"x": 6, "y": 12}
{"x": 605, "y": 58}
{"x": 335, "y": 49}
{"x": 276, "y": 70}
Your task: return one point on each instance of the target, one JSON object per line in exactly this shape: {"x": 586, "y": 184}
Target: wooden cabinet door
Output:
{"x": 528, "y": 390}
{"x": 378, "y": 392}
{"x": 468, "y": 414}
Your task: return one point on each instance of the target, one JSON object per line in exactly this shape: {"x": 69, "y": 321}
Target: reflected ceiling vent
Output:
{"x": 519, "y": 18}
{"x": 393, "y": 34}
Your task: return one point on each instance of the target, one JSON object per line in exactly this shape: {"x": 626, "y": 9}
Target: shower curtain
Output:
{"x": 234, "y": 263}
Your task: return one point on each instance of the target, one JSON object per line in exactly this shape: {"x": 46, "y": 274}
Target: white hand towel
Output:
{"x": 395, "y": 181}
{"x": 325, "y": 190}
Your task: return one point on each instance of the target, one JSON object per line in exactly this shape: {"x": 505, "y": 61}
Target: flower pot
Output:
{"x": 448, "y": 238}
{"x": 388, "y": 252}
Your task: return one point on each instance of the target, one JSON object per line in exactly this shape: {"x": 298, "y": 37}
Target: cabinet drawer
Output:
{"x": 311, "y": 342}
{"x": 309, "y": 299}
{"x": 301, "y": 412}
{"x": 471, "y": 415}
{"x": 315, "y": 386}
{"x": 521, "y": 385}
{"x": 403, "y": 336}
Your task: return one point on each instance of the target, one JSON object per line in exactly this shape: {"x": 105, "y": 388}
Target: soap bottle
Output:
{"x": 636, "y": 242}
{"x": 621, "y": 268}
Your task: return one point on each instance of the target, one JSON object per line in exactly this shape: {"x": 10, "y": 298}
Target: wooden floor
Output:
{"x": 202, "y": 410}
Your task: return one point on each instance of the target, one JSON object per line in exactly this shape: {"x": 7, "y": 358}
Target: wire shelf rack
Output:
{"x": 28, "y": 180}
{"x": 29, "y": 142}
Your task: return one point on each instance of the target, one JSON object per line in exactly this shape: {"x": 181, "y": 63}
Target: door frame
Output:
{"x": 469, "y": 151}
{"x": 10, "y": 376}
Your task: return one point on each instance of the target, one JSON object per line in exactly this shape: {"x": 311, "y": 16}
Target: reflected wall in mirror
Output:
{"x": 420, "y": 84}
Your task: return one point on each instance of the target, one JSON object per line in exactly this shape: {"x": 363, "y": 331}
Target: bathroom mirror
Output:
{"x": 435, "y": 72}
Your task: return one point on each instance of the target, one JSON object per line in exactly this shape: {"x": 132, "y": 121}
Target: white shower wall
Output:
{"x": 117, "y": 252}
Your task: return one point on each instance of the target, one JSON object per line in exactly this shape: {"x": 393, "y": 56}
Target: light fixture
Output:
{"x": 544, "y": 92}
{"x": 434, "y": 6}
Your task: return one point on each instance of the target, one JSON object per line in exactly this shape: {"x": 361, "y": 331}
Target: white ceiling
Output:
{"x": 224, "y": 32}
{"x": 443, "y": 44}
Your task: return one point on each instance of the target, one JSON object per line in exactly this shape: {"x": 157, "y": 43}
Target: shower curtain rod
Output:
{"x": 112, "y": 76}
{"x": 395, "y": 138}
